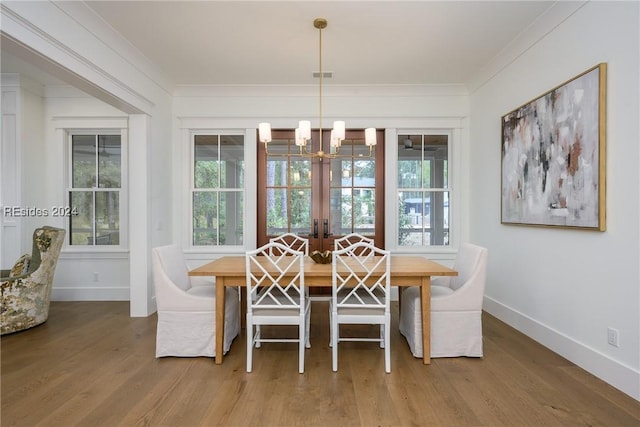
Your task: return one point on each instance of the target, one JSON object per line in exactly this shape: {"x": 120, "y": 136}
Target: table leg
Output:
{"x": 243, "y": 307}
{"x": 220, "y": 307}
{"x": 425, "y": 298}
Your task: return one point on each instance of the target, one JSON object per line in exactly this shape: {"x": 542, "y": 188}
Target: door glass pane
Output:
{"x": 365, "y": 173}
{"x": 364, "y": 202}
{"x": 277, "y": 211}
{"x": 276, "y": 172}
{"x": 341, "y": 211}
{"x": 81, "y": 224}
{"x": 109, "y": 161}
{"x": 341, "y": 173}
{"x": 300, "y": 210}
{"x": 300, "y": 172}
{"x": 107, "y": 218}
{"x": 277, "y": 167}
{"x": 83, "y": 161}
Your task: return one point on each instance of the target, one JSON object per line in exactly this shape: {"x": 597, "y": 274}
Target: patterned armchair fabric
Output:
{"x": 26, "y": 296}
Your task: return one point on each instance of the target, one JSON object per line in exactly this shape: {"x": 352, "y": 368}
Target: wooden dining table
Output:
{"x": 405, "y": 271}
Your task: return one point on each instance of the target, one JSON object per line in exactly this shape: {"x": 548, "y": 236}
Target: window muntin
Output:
{"x": 95, "y": 191}
{"x": 423, "y": 190}
{"x": 217, "y": 200}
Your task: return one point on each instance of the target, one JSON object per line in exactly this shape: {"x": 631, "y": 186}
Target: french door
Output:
{"x": 320, "y": 198}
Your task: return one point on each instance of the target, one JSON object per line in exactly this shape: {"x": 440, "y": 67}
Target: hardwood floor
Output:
{"x": 93, "y": 365}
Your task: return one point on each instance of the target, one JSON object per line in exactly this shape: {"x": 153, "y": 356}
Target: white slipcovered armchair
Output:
{"x": 456, "y": 308}
{"x": 186, "y": 313}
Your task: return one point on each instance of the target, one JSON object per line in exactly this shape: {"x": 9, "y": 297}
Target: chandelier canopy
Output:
{"x": 303, "y": 131}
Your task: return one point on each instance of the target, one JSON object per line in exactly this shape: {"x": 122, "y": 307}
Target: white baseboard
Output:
{"x": 91, "y": 294}
{"x": 622, "y": 377}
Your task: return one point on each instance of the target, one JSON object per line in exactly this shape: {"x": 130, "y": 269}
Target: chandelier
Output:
{"x": 303, "y": 131}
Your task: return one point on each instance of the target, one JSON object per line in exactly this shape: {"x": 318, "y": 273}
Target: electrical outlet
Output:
{"x": 612, "y": 337}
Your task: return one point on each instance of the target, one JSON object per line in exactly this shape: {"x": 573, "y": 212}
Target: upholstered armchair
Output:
{"x": 26, "y": 288}
{"x": 456, "y": 308}
{"x": 187, "y": 313}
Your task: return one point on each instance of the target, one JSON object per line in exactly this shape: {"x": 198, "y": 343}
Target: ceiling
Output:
{"x": 274, "y": 43}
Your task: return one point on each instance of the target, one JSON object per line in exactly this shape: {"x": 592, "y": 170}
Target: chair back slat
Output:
{"x": 292, "y": 241}
{"x": 275, "y": 281}
{"x": 361, "y": 277}
{"x": 349, "y": 240}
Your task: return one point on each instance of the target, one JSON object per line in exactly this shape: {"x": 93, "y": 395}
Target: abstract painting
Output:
{"x": 553, "y": 156}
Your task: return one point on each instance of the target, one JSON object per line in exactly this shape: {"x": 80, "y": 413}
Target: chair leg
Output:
{"x": 301, "y": 344}
{"x": 330, "y": 327}
{"x": 382, "y": 336}
{"x": 307, "y": 327}
{"x": 249, "y": 332}
{"x": 387, "y": 346}
{"x": 334, "y": 340}
{"x": 258, "y": 336}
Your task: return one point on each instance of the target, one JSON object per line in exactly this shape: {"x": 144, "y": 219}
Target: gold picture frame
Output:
{"x": 553, "y": 156}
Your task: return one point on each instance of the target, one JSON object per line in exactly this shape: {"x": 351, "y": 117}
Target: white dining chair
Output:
{"x": 344, "y": 242}
{"x": 361, "y": 294}
{"x": 276, "y": 295}
{"x": 187, "y": 313}
{"x": 456, "y": 308}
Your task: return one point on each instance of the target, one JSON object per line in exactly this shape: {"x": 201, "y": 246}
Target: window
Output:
{"x": 95, "y": 186}
{"x": 217, "y": 190}
{"x": 423, "y": 190}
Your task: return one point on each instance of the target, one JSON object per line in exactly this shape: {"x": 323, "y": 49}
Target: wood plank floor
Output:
{"x": 93, "y": 365}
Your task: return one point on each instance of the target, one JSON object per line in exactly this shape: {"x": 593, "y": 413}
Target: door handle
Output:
{"x": 325, "y": 226}
{"x": 315, "y": 228}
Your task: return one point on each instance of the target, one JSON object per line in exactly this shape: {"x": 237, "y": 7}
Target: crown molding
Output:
{"x": 528, "y": 38}
{"x": 204, "y": 91}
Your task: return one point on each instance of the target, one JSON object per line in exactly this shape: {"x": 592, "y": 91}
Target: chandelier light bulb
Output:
{"x": 264, "y": 132}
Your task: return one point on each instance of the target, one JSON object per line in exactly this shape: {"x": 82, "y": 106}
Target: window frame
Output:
{"x": 192, "y": 189}
{"x": 122, "y": 190}
{"x": 453, "y": 131}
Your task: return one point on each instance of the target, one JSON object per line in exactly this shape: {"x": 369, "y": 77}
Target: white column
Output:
{"x": 140, "y": 279}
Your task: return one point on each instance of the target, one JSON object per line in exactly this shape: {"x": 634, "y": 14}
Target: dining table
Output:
{"x": 406, "y": 270}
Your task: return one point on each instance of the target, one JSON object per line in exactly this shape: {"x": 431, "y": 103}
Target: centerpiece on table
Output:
{"x": 321, "y": 257}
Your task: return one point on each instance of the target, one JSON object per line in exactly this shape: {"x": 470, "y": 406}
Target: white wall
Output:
{"x": 563, "y": 287}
